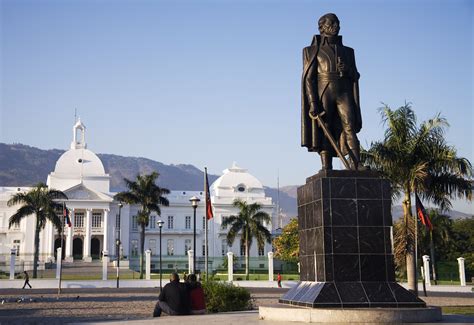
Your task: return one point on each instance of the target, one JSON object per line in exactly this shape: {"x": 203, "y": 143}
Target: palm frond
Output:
{"x": 20, "y": 214}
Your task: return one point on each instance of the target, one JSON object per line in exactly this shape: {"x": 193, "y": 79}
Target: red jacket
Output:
{"x": 197, "y": 299}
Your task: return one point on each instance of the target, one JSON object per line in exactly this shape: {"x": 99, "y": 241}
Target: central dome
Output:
{"x": 79, "y": 162}
{"x": 237, "y": 182}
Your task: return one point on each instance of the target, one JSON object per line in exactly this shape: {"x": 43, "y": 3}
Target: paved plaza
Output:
{"x": 135, "y": 305}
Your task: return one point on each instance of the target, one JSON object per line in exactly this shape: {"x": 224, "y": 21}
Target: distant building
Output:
{"x": 96, "y": 225}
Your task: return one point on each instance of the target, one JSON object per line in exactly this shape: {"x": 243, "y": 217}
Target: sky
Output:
{"x": 212, "y": 82}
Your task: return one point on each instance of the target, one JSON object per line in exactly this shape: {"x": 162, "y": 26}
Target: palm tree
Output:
{"x": 144, "y": 192}
{"x": 249, "y": 223}
{"x": 39, "y": 201}
{"x": 417, "y": 159}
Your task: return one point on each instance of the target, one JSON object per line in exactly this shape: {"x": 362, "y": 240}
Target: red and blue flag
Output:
{"x": 422, "y": 215}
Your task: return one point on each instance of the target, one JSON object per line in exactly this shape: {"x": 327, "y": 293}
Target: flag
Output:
{"x": 422, "y": 215}
{"x": 209, "y": 213}
{"x": 66, "y": 215}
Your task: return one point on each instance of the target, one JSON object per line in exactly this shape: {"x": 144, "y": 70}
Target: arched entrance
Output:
{"x": 57, "y": 244}
{"x": 77, "y": 247}
{"x": 95, "y": 248}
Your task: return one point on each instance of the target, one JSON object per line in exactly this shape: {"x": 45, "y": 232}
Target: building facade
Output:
{"x": 97, "y": 222}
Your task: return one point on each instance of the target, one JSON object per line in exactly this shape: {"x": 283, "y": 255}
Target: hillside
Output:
{"x": 22, "y": 165}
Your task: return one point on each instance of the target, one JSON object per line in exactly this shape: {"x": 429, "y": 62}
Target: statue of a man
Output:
{"x": 330, "y": 86}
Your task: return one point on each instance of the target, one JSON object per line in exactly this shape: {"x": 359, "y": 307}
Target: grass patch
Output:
{"x": 459, "y": 310}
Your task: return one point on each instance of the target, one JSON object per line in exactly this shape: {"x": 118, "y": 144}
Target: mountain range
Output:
{"x": 22, "y": 165}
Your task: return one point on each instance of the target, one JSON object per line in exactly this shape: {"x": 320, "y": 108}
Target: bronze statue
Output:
{"x": 330, "y": 112}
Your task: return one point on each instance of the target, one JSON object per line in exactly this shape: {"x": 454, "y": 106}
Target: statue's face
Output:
{"x": 330, "y": 27}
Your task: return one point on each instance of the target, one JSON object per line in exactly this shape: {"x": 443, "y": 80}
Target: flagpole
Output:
{"x": 206, "y": 249}
{"x": 432, "y": 253}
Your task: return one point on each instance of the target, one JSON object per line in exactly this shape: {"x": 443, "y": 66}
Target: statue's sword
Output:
{"x": 328, "y": 135}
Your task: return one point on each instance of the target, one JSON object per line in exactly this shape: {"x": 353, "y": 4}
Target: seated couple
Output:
{"x": 178, "y": 298}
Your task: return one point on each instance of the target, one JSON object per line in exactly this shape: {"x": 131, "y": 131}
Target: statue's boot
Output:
{"x": 355, "y": 159}
{"x": 326, "y": 160}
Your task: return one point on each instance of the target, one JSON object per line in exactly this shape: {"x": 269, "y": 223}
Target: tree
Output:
{"x": 144, "y": 192}
{"x": 287, "y": 245}
{"x": 39, "y": 201}
{"x": 249, "y": 224}
{"x": 463, "y": 240}
{"x": 417, "y": 159}
{"x": 436, "y": 242}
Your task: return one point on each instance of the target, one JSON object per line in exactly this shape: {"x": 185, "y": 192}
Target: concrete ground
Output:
{"x": 111, "y": 283}
{"x": 135, "y": 305}
{"x": 251, "y": 318}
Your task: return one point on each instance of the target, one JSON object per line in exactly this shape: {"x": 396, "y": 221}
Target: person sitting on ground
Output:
{"x": 173, "y": 299}
{"x": 196, "y": 293}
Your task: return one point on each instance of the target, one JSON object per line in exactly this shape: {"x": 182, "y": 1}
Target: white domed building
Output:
{"x": 97, "y": 224}
{"x": 236, "y": 183}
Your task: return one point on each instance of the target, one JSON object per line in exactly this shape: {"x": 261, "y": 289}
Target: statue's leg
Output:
{"x": 345, "y": 108}
{"x": 328, "y": 104}
{"x": 326, "y": 160}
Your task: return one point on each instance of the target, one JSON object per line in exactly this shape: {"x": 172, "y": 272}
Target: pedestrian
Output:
{"x": 27, "y": 280}
{"x": 173, "y": 299}
{"x": 196, "y": 294}
{"x": 279, "y": 280}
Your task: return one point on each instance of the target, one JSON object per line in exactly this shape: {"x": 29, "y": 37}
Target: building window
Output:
{"x": 134, "y": 223}
{"x": 170, "y": 247}
{"x": 117, "y": 221}
{"x": 224, "y": 247}
{"x": 187, "y": 246}
{"x": 16, "y": 246}
{"x": 170, "y": 222}
{"x": 79, "y": 220}
{"x": 187, "y": 222}
{"x": 242, "y": 250}
{"x": 203, "y": 222}
{"x": 152, "y": 246}
{"x": 134, "y": 247}
{"x": 152, "y": 222}
{"x": 96, "y": 220}
{"x": 261, "y": 251}
{"x": 203, "y": 248}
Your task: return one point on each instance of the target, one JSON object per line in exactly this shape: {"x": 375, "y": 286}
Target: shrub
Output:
{"x": 221, "y": 297}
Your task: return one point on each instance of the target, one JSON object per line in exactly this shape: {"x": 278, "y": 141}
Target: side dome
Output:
{"x": 237, "y": 182}
{"x": 79, "y": 162}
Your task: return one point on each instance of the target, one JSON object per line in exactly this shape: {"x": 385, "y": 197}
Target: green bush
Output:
{"x": 222, "y": 297}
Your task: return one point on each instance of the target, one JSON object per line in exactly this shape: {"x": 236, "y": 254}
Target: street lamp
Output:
{"x": 117, "y": 243}
{"x": 160, "y": 225}
{"x": 194, "y": 202}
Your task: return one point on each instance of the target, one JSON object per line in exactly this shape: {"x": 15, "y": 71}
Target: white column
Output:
{"x": 59, "y": 253}
{"x": 105, "y": 262}
{"x": 148, "y": 264}
{"x": 12, "y": 263}
{"x": 70, "y": 232}
{"x": 106, "y": 228}
{"x": 426, "y": 270}
{"x": 87, "y": 238}
{"x": 462, "y": 271}
{"x": 50, "y": 241}
{"x": 190, "y": 261}
{"x": 230, "y": 266}
{"x": 270, "y": 266}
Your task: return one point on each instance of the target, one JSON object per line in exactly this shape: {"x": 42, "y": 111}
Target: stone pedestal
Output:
{"x": 345, "y": 244}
